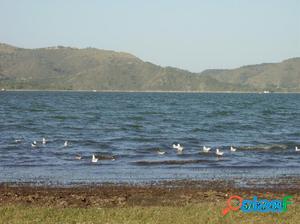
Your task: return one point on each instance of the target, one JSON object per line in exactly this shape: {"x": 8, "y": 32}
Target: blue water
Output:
{"x": 133, "y": 126}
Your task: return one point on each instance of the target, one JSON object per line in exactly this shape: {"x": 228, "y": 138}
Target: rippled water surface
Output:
{"x": 131, "y": 127}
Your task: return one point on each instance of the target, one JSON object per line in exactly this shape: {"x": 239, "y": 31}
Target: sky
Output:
{"x": 189, "y": 34}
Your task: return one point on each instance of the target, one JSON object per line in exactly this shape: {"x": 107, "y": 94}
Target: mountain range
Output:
{"x": 66, "y": 68}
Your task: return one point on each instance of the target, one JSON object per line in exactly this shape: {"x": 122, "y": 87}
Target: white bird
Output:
{"x": 94, "y": 159}
{"x": 176, "y": 146}
{"x": 206, "y": 149}
{"x": 78, "y": 157}
{"x": 160, "y": 152}
{"x": 232, "y": 149}
{"x": 219, "y": 153}
{"x": 180, "y": 148}
{"x": 66, "y": 144}
{"x": 44, "y": 141}
{"x": 297, "y": 149}
{"x": 33, "y": 144}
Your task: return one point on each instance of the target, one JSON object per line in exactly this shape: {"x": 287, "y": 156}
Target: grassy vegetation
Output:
{"x": 192, "y": 213}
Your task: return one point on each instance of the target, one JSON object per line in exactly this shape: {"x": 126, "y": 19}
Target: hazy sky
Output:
{"x": 190, "y": 34}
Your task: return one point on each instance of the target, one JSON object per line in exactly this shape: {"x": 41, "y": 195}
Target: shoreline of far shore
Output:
{"x": 142, "y": 91}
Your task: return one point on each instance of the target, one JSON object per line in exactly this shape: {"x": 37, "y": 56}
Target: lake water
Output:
{"x": 133, "y": 126}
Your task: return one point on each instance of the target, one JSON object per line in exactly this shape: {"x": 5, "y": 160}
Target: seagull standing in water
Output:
{"x": 206, "y": 149}
{"x": 94, "y": 159}
{"x": 297, "y": 149}
{"x": 219, "y": 153}
{"x": 178, "y": 147}
{"x": 232, "y": 149}
{"x": 78, "y": 157}
{"x": 33, "y": 144}
{"x": 66, "y": 144}
{"x": 159, "y": 152}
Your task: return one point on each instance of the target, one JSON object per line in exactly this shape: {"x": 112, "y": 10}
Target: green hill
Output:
{"x": 65, "y": 68}
{"x": 284, "y": 76}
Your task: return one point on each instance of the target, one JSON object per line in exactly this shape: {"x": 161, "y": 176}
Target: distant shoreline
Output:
{"x": 144, "y": 91}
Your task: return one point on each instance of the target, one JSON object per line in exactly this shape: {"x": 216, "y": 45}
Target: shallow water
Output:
{"x": 133, "y": 126}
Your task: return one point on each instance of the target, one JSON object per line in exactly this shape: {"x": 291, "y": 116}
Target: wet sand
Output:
{"x": 171, "y": 193}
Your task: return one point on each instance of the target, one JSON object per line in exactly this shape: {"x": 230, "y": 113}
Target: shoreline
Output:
{"x": 281, "y": 182}
{"x": 169, "y": 193}
{"x": 150, "y": 91}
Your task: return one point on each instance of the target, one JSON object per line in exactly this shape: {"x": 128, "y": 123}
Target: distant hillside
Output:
{"x": 64, "y": 68}
{"x": 284, "y": 76}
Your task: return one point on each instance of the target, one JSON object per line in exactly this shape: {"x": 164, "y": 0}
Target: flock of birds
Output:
{"x": 34, "y": 144}
{"x": 94, "y": 159}
{"x": 218, "y": 151}
{"x": 178, "y": 147}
